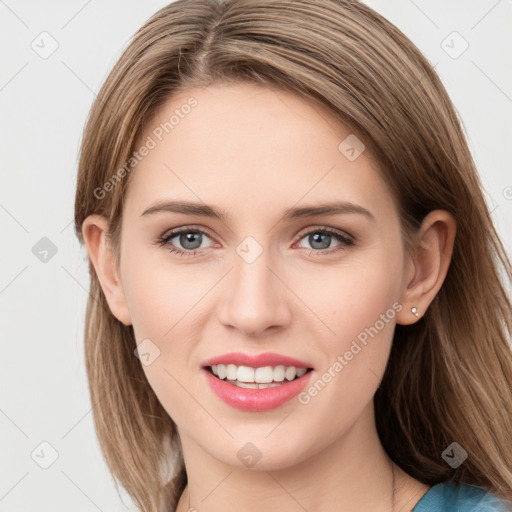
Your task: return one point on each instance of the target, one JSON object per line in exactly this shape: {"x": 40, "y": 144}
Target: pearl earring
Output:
{"x": 415, "y": 311}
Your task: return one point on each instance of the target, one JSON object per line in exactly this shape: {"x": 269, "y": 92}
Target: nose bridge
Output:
{"x": 256, "y": 298}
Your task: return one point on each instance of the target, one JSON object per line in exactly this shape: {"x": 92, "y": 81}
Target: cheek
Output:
{"x": 369, "y": 295}
{"x": 160, "y": 295}
{"x": 353, "y": 297}
{"x": 361, "y": 313}
{"x": 163, "y": 301}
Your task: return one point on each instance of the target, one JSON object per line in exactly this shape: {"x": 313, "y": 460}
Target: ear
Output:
{"x": 94, "y": 231}
{"x": 427, "y": 264}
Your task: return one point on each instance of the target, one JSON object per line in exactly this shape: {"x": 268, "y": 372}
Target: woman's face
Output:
{"x": 264, "y": 278}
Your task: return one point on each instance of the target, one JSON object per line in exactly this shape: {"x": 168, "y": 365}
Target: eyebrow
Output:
{"x": 204, "y": 210}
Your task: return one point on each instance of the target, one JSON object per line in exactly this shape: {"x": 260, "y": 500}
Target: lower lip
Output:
{"x": 256, "y": 399}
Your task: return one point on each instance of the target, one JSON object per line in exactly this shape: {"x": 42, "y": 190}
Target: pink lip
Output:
{"x": 256, "y": 361}
{"x": 256, "y": 399}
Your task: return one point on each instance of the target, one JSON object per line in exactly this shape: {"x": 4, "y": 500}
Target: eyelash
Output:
{"x": 344, "y": 239}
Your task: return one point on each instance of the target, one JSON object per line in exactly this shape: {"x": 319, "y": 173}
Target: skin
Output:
{"x": 255, "y": 152}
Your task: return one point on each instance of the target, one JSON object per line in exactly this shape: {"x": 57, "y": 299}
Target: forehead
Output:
{"x": 248, "y": 144}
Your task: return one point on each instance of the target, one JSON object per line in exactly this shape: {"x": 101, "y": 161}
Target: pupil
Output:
{"x": 316, "y": 236}
{"x": 189, "y": 238}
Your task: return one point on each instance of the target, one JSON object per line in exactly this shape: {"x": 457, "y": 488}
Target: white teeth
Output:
{"x": 231, "y": 372}
{"x": 244, "y": 374}
{"x": 253, "y": 385}
{"x": 290, "y": 373}
{"x": 265, "y": 376}
{"x": 250, "y": 385}
{"x": 221, "y": 371}
{"x": 279, "y": 373}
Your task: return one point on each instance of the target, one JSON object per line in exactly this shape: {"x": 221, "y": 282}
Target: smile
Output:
{"x": 256, "y": 378}
{"x": 247, "y": 395}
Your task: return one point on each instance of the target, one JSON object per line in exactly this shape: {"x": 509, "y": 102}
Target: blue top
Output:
{"x": 452, "y": 497}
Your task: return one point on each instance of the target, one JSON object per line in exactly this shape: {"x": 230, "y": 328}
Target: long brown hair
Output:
{"x": 449, "y": 377}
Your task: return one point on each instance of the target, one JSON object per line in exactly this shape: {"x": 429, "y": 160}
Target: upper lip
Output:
{"x": 256, "y": 360}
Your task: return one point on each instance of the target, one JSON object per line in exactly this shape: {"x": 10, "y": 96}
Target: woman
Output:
{"x": 295, "y": 281}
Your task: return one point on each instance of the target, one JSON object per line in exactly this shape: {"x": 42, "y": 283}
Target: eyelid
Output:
{"x": 327, "y": 229}
{"x": 345, "y": 240}
{"x": 305, "y": 231}
{"x": 171, "y": 233}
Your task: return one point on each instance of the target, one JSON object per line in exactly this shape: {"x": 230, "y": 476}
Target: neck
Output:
{"x": 353, "y": 473}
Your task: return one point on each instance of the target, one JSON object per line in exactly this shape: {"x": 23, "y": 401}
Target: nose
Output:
{"x": 256, "y": 298}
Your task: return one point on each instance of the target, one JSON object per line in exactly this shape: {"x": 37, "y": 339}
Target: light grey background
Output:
{"x": 43, "y": 105}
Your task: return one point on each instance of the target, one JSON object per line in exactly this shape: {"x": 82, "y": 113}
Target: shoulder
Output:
{"x": 456, "y": 497}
